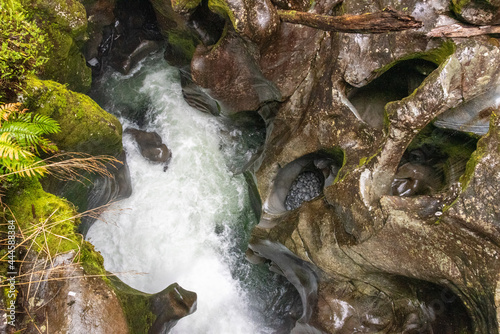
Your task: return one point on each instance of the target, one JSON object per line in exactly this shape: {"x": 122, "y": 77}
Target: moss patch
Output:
{"x": 183, "y": 42}
{"x": 85, "y": 127}
{"x": 436, "y": 56}
{"x": 65, "y": 22}
{"x": 50, "y": 222}
{"x": 136, "y": 305}
{"x": 181, "y": 6}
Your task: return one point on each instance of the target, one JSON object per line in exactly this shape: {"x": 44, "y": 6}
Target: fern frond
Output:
{"x": 42, "y": 122}
{"x": 24, "y": 167}
{"x": 11, "y": 150}
{"x": 25, "y": 134}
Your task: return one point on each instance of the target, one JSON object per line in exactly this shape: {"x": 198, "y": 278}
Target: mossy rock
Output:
{"x": 68, "y": 15}
{"x": 85, "y": 127}
{"x": 67, "y": 64}
{"x": 50, "y": 223}
{"x": 65, "y": 22}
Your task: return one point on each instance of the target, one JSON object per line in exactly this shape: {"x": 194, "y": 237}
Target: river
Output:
{"x": 190, "y": 223}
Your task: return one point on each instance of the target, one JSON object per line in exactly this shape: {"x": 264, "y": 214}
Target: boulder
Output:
{"x": 151, "y": 146}
{"x": 66, "y": 24}
{"x": 85, "y": 127}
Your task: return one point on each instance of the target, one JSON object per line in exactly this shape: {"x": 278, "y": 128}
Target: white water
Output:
{"x": 176, "y": 226}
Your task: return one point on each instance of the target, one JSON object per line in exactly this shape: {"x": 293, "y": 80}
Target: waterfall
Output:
{"x": 187, "y": 224}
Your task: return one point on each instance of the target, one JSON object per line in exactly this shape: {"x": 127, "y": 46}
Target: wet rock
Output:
{"x": 473, "y": 115}
{"x": 151, "y": 146}
{"x": 477, "y": 12}
{"x": 170, "y": 305}
{"x": 63, "y": 297}
{"x": 125, "y": 58}
{"x": 196, "y": 97}
{"x": 155, "y": 313}
{"x": 231, "y": 75}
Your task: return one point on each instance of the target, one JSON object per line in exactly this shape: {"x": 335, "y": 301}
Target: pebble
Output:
{"x": 306, "y": 186}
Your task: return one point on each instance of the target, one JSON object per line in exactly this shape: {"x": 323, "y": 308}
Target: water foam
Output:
{"x": 170, "y": 228}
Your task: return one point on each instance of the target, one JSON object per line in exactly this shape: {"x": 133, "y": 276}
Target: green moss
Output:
{"x": 68, "y": 15}
{"x": 136, "y": 305}
{"x": 222, "y": 8}
{"x": 183, "y": 42}
{"x": 436, "y": 56}
{"x": 48, "y": 218}
{"x": 182, "y": 6}
{"x": 85, "y": 127}
{"x": 67, "y": 64}
{"x": 457, "y": 5}
{"x": 65, "y": 22}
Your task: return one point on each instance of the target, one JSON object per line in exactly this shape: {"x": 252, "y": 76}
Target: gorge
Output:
{"x": 285, "y": 166}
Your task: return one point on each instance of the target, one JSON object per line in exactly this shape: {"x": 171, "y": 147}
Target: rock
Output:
{"x": 170, "y": 305}
{"x": 66, "y": 24}
{"x": 69, "y": 301}
{"x": 155, "y": 313}
{"x": 123, "y": 61}
{"x": 181, "y": 39}
{"x": 477, "y": 12}
{"x": 151, "y": 146}
{"x": 255, "y": 20}
{"x": 442, "y": 240}
{"x": 100, "y": 14}
{"x": 236, "y": 90}
{"x": 85, "y": 126}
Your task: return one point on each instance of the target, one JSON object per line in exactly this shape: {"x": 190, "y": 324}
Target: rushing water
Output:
{"x": 188, "y": 224}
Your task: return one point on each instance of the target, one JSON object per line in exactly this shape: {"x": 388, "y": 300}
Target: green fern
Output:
{"x": 21, "y": 138}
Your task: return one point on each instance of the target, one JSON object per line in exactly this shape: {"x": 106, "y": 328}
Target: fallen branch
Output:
{"x": 371, "y": 23}
{"x": 458, "y": 31}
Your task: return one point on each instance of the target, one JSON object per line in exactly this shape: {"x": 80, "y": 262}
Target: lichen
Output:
{"x": 86, "y": 127}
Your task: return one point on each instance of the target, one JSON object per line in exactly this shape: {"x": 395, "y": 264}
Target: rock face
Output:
{"x": 386, "y": 239}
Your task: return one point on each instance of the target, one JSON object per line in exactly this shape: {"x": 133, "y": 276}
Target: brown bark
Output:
{"x": 460, "y": 31}
{"x": 379, "y": 22}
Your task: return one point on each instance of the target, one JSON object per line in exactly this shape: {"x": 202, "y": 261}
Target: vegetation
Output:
{"x": 21, "y": 140}
{"x": 24, "y": 47}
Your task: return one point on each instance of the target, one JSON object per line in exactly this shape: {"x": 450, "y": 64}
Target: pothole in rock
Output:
{"x": 434, "y": 160}
{"x": 303, "y": 180}
{"x": 396, "y": 83}
{"x": 306, "y": 186}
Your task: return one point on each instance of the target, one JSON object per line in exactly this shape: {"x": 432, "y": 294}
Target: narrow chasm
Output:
{"x": 395, "y": 84}
{"x": 433, "y": 162}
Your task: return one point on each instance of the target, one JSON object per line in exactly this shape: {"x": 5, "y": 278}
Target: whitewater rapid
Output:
{"x": 179, "y": 225}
